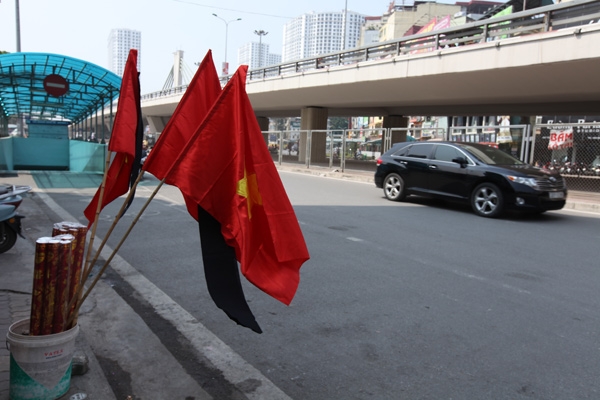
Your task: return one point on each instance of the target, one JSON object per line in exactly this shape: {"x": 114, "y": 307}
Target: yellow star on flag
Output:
{"x": 248, "y": 187}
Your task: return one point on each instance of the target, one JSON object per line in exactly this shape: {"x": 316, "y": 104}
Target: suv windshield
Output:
{"x": 490, "y": 155}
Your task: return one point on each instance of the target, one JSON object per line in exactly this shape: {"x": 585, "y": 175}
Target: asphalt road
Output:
{"x": 415, "y": 300}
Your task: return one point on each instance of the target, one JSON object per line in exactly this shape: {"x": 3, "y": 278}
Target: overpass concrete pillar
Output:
{"x": 156, "y": 124}
{"x": 263, "y": 122}
{"x": 396, "y": 121}
{"x": 312, "y": 118}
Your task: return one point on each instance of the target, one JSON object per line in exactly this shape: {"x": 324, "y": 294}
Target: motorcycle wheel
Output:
{"x": 8, "y": 238}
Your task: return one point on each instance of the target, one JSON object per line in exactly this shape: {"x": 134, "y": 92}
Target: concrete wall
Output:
{"x": 51, "y": 154}
{"x": 41, "y": 153}
{"x": 87, "y": 156}
{"x": 6, "y": 154}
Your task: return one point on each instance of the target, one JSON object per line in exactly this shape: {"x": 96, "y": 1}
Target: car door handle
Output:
{"x": 433, "y": 167}
{"x": 403, "y": 162}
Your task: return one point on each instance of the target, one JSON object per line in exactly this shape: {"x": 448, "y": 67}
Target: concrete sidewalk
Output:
{"x": 16, "y": 272}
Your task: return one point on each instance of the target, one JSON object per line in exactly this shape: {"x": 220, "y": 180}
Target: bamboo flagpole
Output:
{"x": 125, "y": 144}
{"x": 97, "y": 215}
{"x": 177, "y": 161}
{"x": 78, "y": 299}
{"x": 86, "y": 269}
{"x": 204, "y": 85}
{"x": 115, "y": 250}
{"x": 90, "y": 264}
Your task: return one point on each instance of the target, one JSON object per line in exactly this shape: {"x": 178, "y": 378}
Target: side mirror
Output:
{"x": 460, "y": 160}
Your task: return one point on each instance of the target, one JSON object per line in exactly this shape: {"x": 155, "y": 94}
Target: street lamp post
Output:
{"x": 260, "y": 34}
{"x": 225, "y": 68}
{"x": 344, "y": 22}
{"x": 18, "y": 24}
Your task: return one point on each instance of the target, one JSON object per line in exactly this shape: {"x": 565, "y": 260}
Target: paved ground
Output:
{"x": 16, "y": 272}
{"x": 17, "y": 266}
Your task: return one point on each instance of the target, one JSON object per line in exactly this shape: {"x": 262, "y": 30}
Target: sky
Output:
{"x": 80, "y": 28}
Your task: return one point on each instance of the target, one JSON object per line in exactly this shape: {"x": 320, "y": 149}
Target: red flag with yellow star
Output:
{"x": 125, "y": 141}
{"x": 228, "y": 171}
{"x": 220, "y": 265}
{"x": 195, "y": 103}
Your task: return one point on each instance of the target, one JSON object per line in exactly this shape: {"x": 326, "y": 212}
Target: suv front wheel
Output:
{"x": 393, "y": 187}
{"x": 487, "y": 200}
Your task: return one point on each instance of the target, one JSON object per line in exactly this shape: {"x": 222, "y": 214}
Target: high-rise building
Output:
{"x": 370, "y": 31}
{"x": 314, "y": 33}
{"x": 256, "y": 55}
{"x": 120, "y": 41}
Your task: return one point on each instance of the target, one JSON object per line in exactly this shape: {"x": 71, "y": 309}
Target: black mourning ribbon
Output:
{"x": 222, "y": 272}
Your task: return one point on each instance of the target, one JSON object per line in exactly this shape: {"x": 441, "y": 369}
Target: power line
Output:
{"x": 231, "y": 9}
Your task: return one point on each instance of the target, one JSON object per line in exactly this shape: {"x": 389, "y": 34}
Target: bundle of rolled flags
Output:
{"x": 56, "y": 279}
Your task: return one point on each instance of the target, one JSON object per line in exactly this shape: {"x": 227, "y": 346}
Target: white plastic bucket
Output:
{"x": 40, "y": 366}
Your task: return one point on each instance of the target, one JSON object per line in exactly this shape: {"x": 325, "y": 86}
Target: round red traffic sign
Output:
{"x": 55, "y": 85}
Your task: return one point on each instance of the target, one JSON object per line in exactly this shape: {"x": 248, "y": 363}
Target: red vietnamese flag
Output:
{"x": 125, "y": 141}
{"x": 197, "y": 100}
{"x": 220, "y": 265}
{"x": 228, "y": 171}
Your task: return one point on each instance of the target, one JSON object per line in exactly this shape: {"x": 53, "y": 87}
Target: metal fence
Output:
{"x": 284, "y": 146}
{"x": 573, "y": 149}
{"x": 513, "y": 139}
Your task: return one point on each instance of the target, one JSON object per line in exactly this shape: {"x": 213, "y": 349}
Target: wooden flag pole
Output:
{"x": 107, "y": 262}
{"x": 89, "y": 267}
{"x": 84, "y": 269}
{"x": 138, "y": 216}
{"x": 98, "y": 209}
{"x": 178, "y": 160}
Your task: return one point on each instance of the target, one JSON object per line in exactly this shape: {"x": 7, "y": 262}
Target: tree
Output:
{"x": 337, "y": 123}
{"x": 279, "y": 124}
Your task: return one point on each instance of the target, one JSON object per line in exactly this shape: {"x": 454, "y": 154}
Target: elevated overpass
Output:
{"x": 537, "y": 62}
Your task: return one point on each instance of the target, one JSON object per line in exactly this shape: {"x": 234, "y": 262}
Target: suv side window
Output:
{"x": 420, "y": 150}
{"x": 446, "y": 153}
{"x": 402, "y": 152}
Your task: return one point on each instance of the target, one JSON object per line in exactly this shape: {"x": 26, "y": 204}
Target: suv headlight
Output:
{"x": 531, "y": 182}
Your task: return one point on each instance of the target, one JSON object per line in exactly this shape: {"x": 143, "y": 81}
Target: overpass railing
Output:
{"x": 571, "y": 148}
{"x": 535, "y": 21}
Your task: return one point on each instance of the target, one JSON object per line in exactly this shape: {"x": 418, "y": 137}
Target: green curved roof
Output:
{"x": 23, "y": 92}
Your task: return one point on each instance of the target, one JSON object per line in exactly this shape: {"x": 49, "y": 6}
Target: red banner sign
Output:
{"x": 561, "y": 139}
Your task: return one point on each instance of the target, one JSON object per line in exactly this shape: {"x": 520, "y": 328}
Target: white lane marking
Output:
{"x": 347, "y": 178}
{"x": 482, "y": 279}
{"x": 354, "y": 239}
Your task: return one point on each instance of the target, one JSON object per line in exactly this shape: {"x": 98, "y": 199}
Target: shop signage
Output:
{"x": 560, "y": 139}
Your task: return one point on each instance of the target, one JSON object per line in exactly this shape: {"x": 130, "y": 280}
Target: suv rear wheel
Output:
{"x": 393, "y": 187}
{"x": 487, "y": 200}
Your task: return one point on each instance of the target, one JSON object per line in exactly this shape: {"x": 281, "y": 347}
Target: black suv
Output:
{"x": 489, "y": 179}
